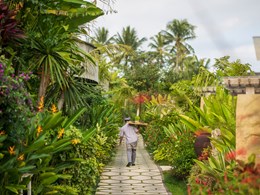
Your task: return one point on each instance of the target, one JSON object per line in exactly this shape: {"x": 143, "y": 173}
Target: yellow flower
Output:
{"x": 39, "y": 130}
{"x": 21, "y": 157}
{"x": 41, "y": 104}
{"x": 11, "y": 150}
{"x": 60, "y": 133}
{"x": 2, "y": 132}
{"x": 75, "y": 141}
{"x": 54, "y": 108}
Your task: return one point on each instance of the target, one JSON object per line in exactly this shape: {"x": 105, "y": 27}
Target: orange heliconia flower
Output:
{"x": 54, "y": 108}
{"x": 11, "y": 150}
{"x": 39, "y": 130}
{"x": 41, "y": 104}
{"x": 75, "y": 141}
{"x": 21, "y": 157}
{"x": 60, "y": 133}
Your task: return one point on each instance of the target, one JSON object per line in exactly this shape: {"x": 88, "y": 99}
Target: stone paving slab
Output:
{"x": 143, "y": 179}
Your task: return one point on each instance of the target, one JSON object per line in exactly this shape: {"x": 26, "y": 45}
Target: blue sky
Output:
{"x": 223, "y": 27}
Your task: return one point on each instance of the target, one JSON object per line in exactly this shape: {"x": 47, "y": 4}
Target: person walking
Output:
{"x": 130, "y": 132}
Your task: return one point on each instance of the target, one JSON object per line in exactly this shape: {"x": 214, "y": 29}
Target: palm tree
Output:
{"x": 101, "y": 37}
{"x": 129, "y": 38}
{"x": 177, "y": 33}
{"x": 158, "y": 44}
{"x": 107, "y": 53}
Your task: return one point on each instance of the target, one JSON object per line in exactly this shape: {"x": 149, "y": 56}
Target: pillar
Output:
{"x": 248, "y": 126}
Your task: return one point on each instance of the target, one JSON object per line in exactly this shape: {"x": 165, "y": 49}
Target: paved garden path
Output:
{"x": 142, "y": 179}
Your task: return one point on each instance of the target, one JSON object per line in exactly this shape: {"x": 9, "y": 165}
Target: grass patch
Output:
{"x": 173, "y": 185}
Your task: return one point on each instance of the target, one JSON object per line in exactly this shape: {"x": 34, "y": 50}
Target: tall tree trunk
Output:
{"x": 61, "y": 101}
{"x": 45, "y": 80}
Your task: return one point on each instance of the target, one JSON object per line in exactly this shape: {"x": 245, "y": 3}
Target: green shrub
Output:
{"x": 94, "y": 148}
{"x": 178, "y": 150}
{"x": 160, "y": 111}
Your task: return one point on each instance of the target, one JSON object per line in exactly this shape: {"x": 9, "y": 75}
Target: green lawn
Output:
{"x": 175, "y": 186}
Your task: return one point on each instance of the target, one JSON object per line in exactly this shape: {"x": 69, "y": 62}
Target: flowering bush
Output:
{"x": 16, "y": 107}
{"x": 234, "y": 177}
{"x": 34, "y": 154}
{"x": 160, "y": 111}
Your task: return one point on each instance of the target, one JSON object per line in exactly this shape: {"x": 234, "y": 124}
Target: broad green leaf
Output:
{"x": 49, "y": 180}
{"x": 3, "y": 137}
{"x": 36, "y": 145}
{"x": 64, "y": 176}
{"x": 72, "y": 119}
{"x": 87, "y": 135}
{"x": 194, "y": 125}
{"x": 12, "y": 189}
{"x": 38, "y": 156}
{"x": 46, "y": 149}
{"x": 55, "y": 119}
{"x": 26, "y": 169}
{"x": 47, "y": 175}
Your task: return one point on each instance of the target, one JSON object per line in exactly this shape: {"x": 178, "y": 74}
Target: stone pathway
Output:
{"x": 143, "y": 179}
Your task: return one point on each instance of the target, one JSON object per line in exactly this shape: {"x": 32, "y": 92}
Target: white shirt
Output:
{"x": 130, "y": 133}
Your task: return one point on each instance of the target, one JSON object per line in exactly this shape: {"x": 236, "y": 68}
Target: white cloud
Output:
{"x": 230, "y": 23}
{"x": 224, "y": 27}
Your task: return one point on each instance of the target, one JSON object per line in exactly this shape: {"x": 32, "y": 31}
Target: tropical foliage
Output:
{"x": 177, "y": 149}
{"x": 62, "y": 145}
{"x": 95, "y": 147}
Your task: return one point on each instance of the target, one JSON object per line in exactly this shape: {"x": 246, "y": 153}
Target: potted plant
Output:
{"x": 202, "y": 141}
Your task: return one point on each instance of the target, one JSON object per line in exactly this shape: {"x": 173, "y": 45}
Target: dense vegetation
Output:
{"x": 57, "y": 130}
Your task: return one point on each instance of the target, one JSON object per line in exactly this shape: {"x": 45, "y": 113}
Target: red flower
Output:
{"x": 231, "y": 155}
{"x": 140, "y": 98}
{"x": 197, "y": 180}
